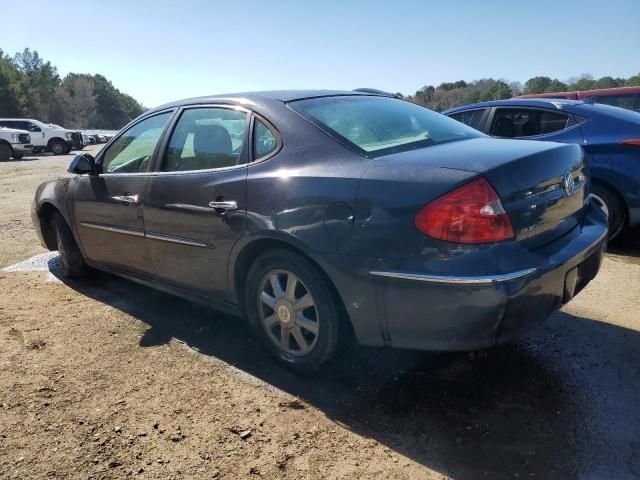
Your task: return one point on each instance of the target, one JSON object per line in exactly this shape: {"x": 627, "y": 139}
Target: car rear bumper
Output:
{"x": 410, "y": 309}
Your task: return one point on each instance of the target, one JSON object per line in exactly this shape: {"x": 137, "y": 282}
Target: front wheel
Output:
{"x": 610, "y": 205}
{"x": 58, "y": 148}
{"x": 292, "y": 310}
{"x": 73, "y": 264}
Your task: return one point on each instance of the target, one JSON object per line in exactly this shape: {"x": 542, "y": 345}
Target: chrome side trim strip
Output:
{"x": 172, "y": 239}
{"x": 456, "y": 280}
{"x": 108, "y": 228}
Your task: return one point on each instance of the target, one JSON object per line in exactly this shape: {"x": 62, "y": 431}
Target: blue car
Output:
{"x": 322, "y": 216}
{"x": 610, "y": 137}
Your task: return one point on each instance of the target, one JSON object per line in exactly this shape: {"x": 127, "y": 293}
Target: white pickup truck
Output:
{"x": 49, "y": 138}
{"x": 14, "y": 144}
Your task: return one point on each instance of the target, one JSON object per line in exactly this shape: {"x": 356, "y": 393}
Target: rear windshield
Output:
{"x": 376, "y": 126}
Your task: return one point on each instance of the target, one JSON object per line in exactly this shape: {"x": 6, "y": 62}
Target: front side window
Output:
{"x": 377, "y": 126}
{"x": 132, "y": 151}
{"x": 264, "y": 141}
{"x": 206, "y": 138}
{"x": 32, "y": 127}
{"x": 525, "y": 122}
{"x": 469, "y": 117}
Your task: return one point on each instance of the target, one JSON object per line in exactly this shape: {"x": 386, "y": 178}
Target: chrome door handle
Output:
{"x": 128, "y": 199}
{"x": 224, "y": 205}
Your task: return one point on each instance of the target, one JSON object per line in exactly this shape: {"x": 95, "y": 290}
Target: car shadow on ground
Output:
{"x": 627, "y": 243}
{"x": 561, "y": 403}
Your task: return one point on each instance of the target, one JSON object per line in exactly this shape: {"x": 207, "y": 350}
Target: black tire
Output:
{"x": 58, "y": 148}
{"x": 73, "y": 264}
{"x": 609, "y": 202}
{"x": 326, "y": 310}
{"x": 5, "y": 152}
{"x": 17, "y": 156}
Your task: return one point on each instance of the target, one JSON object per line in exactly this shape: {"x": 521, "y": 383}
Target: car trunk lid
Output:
{"x": 542, "y": 185}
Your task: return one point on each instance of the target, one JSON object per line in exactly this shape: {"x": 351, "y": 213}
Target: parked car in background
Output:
{"x": 610, "y": 137}
{"x": 14, "y": 144}
{"x": 321, "y": 215}
{"x": 59, "y": 141}
{"x": 623, "y": 97}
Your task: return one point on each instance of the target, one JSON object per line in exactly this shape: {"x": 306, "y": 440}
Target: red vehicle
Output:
{"x": 623, "y": 97}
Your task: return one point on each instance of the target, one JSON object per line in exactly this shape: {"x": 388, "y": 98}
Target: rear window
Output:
{"x": 376, "y": 126}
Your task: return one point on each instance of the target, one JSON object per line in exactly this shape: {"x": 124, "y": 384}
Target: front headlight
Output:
{"x": 68, "y": 135}
{"x": 14, "y": 137}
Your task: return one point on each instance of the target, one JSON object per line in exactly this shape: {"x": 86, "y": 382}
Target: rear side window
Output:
{"x": 264, "y": 141}
{"x": 206, "y": 138}
{"x": 376, "y": 126}
{"x": 469, "y": 117}
{"x": 627, "y": 101}
{"x": 525, "y": 122}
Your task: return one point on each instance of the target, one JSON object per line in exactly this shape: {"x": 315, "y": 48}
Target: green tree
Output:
{"x": 10, "y": 94}
{"x": 556, "y": 86}
{"x": 537, "y": 84}
{"x": 633, "y": 81}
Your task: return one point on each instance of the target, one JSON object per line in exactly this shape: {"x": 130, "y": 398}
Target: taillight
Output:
{"x": 471, "y": 213}
{"x": 631, "y": 142}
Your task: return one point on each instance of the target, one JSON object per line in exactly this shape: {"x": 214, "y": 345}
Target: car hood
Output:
{"x": 12, "y": 130}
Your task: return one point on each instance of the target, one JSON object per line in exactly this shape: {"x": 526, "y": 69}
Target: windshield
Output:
{"x": 377, "y": 126}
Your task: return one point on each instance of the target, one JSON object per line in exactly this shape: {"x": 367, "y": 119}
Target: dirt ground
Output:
{"x": 108, "y": 379}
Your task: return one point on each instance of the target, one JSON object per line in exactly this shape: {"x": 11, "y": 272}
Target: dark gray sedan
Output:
{"x": 322, "y": 216}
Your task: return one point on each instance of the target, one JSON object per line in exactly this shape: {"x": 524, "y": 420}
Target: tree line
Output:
{"x": 452, "y": 94}
{"x": 31, "y": 87}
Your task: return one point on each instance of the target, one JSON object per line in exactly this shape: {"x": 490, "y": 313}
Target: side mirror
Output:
{"x": 83, "y": 163}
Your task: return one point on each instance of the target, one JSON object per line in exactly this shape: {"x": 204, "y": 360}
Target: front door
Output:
{"x": 108, "y": 207}
{"x": 195, "y": 206}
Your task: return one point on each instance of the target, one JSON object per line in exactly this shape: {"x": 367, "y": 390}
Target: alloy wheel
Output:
{"x": 288, "y": 312}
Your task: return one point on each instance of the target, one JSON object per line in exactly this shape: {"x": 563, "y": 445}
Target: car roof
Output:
{"x": 264, "y": 97}
{"x": 558, "y": 103}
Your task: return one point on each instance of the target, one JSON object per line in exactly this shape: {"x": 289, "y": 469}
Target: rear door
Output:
{"x": 108, "y": 214}
{"x": 195, "y": 208}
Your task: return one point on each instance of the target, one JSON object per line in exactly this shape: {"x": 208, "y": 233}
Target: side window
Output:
{"x": 623, "y": 101}
{"x": 32, "y": 127}
{"x": 206, "y": 138}
{"x": 469, "y": 117}
{"x": 264, "y": 141}
{"x": 132, "y": 151}
{"x": 524, "y": 122}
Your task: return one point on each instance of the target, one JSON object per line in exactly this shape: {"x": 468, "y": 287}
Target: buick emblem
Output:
{"x": 567, "y": 183}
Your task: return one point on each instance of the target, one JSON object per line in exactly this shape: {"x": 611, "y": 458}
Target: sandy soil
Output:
{"x": 108, "y": 379}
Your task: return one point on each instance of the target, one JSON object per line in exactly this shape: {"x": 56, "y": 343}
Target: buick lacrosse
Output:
{"x": 324, "y": 216}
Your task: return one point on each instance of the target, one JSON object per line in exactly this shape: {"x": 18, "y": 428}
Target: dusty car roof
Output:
{"x": 261, "y": 97}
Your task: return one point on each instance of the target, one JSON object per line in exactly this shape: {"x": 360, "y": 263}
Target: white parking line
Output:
{"x": 45, "y": 262}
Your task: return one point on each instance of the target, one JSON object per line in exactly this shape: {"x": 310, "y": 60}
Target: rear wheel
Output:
{"x": 5, "y": 152}
{"x": 610, "y": 204}
{"x": 73, "y": 264}
{"x": 58, "y": 148}
{"x": 18, "y": 156}
{"x": 292, "y": 310}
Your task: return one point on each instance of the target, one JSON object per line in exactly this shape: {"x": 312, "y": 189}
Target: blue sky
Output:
{"x": 161, "y": 51}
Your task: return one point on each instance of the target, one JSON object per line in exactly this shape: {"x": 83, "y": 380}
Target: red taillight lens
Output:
{"x": 472, "y": 213}
{"x": 631, "y": 142}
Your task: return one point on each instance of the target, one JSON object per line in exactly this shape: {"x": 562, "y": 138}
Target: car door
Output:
{"x": 195, "y": 207}
{"x": 535, "y": 124}
{"x": 107, "y": 208}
